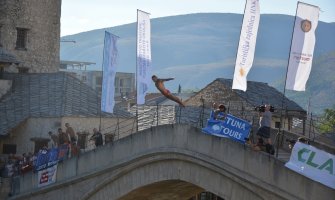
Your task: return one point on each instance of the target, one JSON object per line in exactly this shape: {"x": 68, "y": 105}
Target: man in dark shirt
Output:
{"x": 97, "y": 137}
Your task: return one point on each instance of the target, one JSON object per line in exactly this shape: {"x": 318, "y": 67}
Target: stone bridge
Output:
{"x": 174, "y": 162}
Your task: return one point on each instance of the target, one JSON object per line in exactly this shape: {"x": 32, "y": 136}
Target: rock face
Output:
{"x": 31, "y": 31}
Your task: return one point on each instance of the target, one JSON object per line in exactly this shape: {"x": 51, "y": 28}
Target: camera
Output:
{"x": 261, "y": 108}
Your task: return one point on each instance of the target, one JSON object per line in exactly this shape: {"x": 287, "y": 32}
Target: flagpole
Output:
{"x": 283, "y": 97}
{"x": 136, "y": 71}
{"x": 238, "y": 44}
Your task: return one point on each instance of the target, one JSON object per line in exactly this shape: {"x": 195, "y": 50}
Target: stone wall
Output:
{"x": 42, "y": 19}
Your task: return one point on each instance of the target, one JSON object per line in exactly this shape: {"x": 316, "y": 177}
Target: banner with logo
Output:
{"x": 143, "y": 71}
{"x": 109, "y": 70}
{"x": 47, "y": 176}
{"x": 46, "y": 158}
{"x": 232, "y": 127}
{"x": 247, "y": 44}
{"x": 313, "y": 163}
{"x": 302, "y": 47}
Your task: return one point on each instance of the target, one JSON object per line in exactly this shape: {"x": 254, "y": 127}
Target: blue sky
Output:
{"x": 84, "y": 15}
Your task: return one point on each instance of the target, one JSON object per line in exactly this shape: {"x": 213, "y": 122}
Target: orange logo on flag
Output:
{"x": 242, "y": 71}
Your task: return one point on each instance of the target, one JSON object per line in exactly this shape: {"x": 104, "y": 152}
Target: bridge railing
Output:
{"x": 146, "y": 117}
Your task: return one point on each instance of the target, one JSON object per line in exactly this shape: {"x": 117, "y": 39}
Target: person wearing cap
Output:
{"x": 220, "y": 113}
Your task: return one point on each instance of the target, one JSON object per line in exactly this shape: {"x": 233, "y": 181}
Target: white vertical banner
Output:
{"x": 247, "y": 44}
{"x": 143, "y": 65}
{"x": 313, "y": 163}
{"x": 109, "y": 70}
{"x": 302, "y": 47}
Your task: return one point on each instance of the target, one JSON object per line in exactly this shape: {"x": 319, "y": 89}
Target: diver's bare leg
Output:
{"x": 176, "y": 99}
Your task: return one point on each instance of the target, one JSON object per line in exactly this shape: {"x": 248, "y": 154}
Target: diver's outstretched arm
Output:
{"x": 167, "y": 79}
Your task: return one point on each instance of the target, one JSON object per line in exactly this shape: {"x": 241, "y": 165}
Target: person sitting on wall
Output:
{"x": 292, "y": 142}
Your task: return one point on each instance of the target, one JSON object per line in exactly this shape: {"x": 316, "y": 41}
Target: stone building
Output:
{"x": 43, "y": 102}
{"x": 30, "y": 30}
{"x": 242, "y": 104}
{"x": 124, "y": 82}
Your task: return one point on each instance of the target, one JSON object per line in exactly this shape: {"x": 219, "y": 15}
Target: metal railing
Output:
{"x": 150, "y": 116}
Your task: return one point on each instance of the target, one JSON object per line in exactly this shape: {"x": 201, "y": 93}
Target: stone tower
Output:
{"x": 30, "y": 30}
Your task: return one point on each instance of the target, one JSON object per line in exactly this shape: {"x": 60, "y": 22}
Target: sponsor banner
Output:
{"x": 46, "y": 158}
{"x": 247, "y": 44}
{"x": 232, "y": 127}
{"x": 302, "y": 47}
{"x": 47, "y": 176}
{"x": 313, "y": 163}
{"x": 109, "y": 71}
{"x": 63, "y": 151}
{"x": 143, "y": 71}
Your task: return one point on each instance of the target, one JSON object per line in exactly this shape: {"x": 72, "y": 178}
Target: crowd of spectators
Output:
{"x": 67, "y": 142}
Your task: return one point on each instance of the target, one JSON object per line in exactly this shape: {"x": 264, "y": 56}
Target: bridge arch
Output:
{"x": 178, "y": 154}
{"x": 170, "y": 168}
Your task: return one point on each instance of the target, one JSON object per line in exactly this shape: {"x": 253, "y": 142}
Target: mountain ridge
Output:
{"x": 196, "y": 49}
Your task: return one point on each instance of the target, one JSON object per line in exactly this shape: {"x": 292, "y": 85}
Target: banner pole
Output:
{"x": 238, "y": 44}
{"x": 284, "y": 92}
{"x": 136, "y": 71}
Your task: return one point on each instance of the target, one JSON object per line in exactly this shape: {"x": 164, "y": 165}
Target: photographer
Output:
{"x": 265, "y": 117}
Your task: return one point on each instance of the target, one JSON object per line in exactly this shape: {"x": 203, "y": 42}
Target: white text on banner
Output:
{"x": 247, "y": 44}
{"x": 302, "y": 47}
{"x": 143, "y": 71}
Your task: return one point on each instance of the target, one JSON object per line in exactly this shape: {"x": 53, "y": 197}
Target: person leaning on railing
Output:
{"x": 264, "y": 130}
{"x": 220, "y": 113}
{"x": 97, "y": 137}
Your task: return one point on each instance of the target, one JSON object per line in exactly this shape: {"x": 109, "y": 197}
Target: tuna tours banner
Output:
{"x": 143, "y": 71}
{"x": 109, "y": 71}
{"x": 247, "y": 44}
{"x": 313, "y": 163}
{"x": 232, "y": 127}
{"x": 302, "y": 47}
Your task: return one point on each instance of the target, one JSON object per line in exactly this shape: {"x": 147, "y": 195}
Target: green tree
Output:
{"x": 327, "y": 123}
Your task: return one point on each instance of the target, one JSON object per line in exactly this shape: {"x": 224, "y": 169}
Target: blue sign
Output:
{"x": 46, "y": 159}
{"x": 232, "y": 127}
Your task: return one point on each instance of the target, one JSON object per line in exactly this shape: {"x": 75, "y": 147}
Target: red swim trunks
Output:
{"x": 166, "y": 92}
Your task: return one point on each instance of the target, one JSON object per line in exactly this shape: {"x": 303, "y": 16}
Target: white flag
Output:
{"x": 109, "y": 71}
{"x": 302, "y": 46}
{"x": 143, "y": 71}
{"x": 247, "y": 44}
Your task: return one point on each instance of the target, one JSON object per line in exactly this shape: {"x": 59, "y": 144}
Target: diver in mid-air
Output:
{"x": 159, "y": 83}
